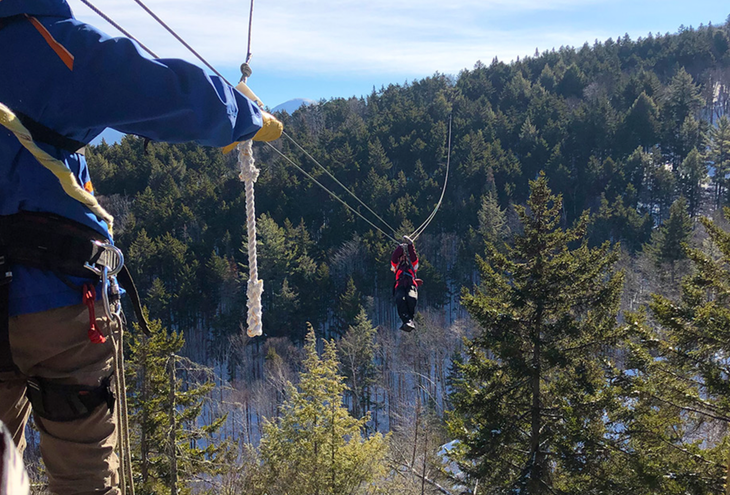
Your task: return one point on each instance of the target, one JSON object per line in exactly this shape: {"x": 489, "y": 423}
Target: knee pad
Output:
{"x": 58, "y": 402}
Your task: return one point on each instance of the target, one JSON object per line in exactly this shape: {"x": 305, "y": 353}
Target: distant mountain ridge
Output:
{"x": 292, "y": 105}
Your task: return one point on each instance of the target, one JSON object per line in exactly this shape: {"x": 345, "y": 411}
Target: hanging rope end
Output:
{"x": 253, "y": 292}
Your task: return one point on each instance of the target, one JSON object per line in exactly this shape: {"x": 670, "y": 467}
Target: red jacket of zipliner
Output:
{"x": 405, "y": 272}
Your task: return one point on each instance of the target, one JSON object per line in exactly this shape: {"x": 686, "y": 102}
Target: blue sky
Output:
{"x": 324, "y": 49}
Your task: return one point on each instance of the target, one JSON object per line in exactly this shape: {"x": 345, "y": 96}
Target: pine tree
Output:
{"x": 692, "y": 174}
{"x": 683, "y": 100}
{"x": 668, "y": 242}
{"x": 531, "y": 399}
{"x": 641, "y": 124}
{"x": 357, "y": 350}
{"x": 315, "y": 446}
{"x": 719, "y": 156}
{"x": 348, "y": 306}
{"x": 684, "y": 370}
{"x": 166, "y": 412}
{"x": 492, "y": 220}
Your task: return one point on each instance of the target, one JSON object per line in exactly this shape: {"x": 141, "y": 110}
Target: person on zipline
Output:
{"x": 63, "y": 82}
{"x": 404, "y": 263}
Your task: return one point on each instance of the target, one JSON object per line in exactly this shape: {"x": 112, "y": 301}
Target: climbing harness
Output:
{"x": 411, "y": 269}
{"x": 63, "y": 402}
{"x": 68, "y": 248}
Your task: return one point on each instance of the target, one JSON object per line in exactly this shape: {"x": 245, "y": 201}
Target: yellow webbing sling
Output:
{"x": 67, "y": 179}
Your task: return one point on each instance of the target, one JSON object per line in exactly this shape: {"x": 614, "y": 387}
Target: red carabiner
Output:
{"x": 89, "y": 299}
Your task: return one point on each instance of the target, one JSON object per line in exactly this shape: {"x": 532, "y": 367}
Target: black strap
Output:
{"x": 59, "y": 402}
{"x": 125, "y": 280}
{"x": 50, "y": 242}
{"x": 47, "y": 135}
{"x": 6, "y": 358}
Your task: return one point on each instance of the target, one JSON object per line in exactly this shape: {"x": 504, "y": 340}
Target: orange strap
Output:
{"x": 57, "y": 47}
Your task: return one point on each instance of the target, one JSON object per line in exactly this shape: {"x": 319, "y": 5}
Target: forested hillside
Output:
{"x": 633, "y": 140}
{"x": 613, "y": 125}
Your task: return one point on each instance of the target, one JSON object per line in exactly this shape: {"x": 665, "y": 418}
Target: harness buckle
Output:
{"x": 107, "y": 265}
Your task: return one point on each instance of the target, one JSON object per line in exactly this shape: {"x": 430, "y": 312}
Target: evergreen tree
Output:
{"x": 719, "y": 156}
{"x": 357, "y": 351}
{"x": 668, "y": 242}
{"x": 315, "y": 446}
{"x": 684, "y": 370}
{"x": 349, "y": 306}
{"x": 692, "y": 175}
{"x": 492, "y": 221}
{"x": 641, "y": 124}
{"x": 531, "y": 400}
{"x": 166, "y": 414}
{"x": 683, "y": 98}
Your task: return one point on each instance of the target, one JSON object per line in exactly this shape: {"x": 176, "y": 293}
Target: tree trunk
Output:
{"x": 173, "y": 453}
{"x": 144, "y": 447}
{"x": 535, "y": 485}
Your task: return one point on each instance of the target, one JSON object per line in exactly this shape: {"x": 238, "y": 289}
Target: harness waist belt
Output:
{"x": 50, "y": 242}
{"x": 57, "y": 244}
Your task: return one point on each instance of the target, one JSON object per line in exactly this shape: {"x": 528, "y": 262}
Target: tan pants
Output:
{"x": 78, "y": 455}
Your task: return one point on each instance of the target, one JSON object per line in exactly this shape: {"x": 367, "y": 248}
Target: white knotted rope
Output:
{"x": 248, "y": 174}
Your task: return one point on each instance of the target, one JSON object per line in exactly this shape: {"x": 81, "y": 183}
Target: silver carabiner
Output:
{"x": 109, "y": 284}
{"x": 106, "y": 267}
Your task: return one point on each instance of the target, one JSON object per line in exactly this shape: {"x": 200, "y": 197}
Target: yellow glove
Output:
{"x": 270, "y": 131}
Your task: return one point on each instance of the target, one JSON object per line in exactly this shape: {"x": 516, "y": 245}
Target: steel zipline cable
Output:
{"x": 182, "y": 41}
{"x": 414, "y": 235}
{"x": 338, "y": 182}
{"x": 117, "y": 26}
{"x": 293, "y": 163}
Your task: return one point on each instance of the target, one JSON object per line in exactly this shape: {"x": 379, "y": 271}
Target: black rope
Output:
{"x": 338, "y": 182}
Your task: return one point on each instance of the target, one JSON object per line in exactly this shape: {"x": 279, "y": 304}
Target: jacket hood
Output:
{"x": 55, "y": 8}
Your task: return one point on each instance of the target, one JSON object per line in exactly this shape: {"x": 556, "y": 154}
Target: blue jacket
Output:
{"x": 77, "y": 81}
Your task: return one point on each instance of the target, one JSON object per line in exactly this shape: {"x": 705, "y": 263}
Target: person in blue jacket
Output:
{"x": 66, "y": 81}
